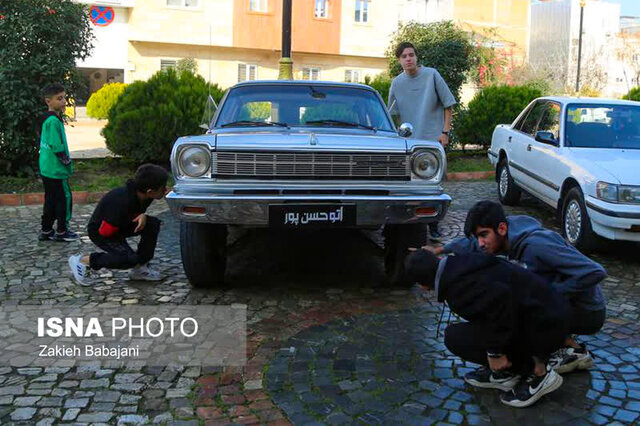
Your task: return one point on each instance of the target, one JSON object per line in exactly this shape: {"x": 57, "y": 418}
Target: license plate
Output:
{"x": 312, "y": 215}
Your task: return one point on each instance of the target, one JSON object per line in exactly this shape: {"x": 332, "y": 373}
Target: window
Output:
{"x": 183, "y": 3}
{"x": 310, "y": 73}
{"x": 258, "y": 6}
{"x": 322, "y": 9}
{"x": 362, "y": 11}
{"x": 352, "y": 76}
{"x": 247, "y": 72}
{"x": 166, "y": 64}
{"x": 530, "y": 123}
{"x": 550, "y": 121}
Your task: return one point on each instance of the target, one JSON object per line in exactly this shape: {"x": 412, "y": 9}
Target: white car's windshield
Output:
{"x": 603, "y": 126}
{"x": 303, "y": 106}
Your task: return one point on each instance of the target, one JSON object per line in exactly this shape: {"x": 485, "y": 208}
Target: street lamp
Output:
{"x": 286, "y": 64}
{"x": 582, "y": 4}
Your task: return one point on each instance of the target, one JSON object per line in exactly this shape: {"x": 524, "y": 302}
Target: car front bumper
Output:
{"x": 614, "y": 221}
{"x": 225, "y": 205}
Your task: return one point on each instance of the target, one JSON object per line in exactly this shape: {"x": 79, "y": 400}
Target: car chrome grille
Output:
{"x": 310, "y": 165}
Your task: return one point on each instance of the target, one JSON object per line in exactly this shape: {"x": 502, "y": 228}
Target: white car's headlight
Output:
{"x": 607, "y": 191}
{"x": 425, "y": 164}
{"x": 618, "y": 193}
{"x": 195, "y": 161}
{"x": 629, "y": 194}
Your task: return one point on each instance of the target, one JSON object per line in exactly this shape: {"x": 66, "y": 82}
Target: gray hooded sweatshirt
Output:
{"x": 546, "y": 253}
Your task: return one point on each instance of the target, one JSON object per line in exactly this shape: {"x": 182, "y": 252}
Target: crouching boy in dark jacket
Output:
{"x": 515, "y": 321}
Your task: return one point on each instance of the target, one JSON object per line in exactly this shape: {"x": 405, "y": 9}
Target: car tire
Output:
{"x": 203, "y": 247}
{"x": 397, "y": 240}
{"x": 576, "y": 225}
{"x": 508, "y": 192}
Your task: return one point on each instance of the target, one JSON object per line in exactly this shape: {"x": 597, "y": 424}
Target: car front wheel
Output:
{"x": 204, "y": 253}
{"x": 508, "y": 192}
{"x": 576, "y": 225}
{"x": 397, "y": 240}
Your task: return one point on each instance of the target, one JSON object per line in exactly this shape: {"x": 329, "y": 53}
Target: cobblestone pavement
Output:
{"x": 328, "y": 340}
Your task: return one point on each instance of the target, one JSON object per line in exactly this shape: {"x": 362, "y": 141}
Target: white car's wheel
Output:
{"x": 508, "y": 193}
{"x": 576, "y": 225}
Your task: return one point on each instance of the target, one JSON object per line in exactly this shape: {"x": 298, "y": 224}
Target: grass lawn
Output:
{"x": 470, "y": 161}
{"x": 103, "y": 174}
{"x": 94, "y": 175}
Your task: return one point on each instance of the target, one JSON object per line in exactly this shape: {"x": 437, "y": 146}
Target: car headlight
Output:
{"x": 425, "y": 164}
{"x": 607, "y": 191}
{"x": 195, "y": 161}
{"x": 629, "y": 194}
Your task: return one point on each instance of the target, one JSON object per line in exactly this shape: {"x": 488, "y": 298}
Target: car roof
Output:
{"x": 586, "y": 100}
{"x": 301, "y": 83}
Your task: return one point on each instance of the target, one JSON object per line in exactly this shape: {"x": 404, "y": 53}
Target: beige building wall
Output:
{"x": 370, "y": 38}
{"x": 509, "y": 18}
{"x": 220, "y": 64}
{"x": 210, "y": 23}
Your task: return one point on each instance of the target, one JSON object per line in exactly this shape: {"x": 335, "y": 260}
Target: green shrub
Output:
{"x": 101, "y": 102}
{"x": 150, "y": 115}
{"x": 491, "y": 106}
{"x": 382, "y": 83}
{"x": 633, "y": 95}
{"x": 41, "y": 41}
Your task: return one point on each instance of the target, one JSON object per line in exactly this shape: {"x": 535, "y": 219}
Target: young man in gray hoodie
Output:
{"x": 420, "y": 96}
{"x": 524, "y": 241}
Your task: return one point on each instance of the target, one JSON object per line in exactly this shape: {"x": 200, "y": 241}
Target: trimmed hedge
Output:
{"x": 101, "y": 102}
{"x": 491, "y": 106}
{"x": 633, "y": 95}
{"x": 150, "y": 115}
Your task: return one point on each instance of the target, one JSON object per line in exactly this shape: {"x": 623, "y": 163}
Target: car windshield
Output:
{"x": 298, "y": 105}
{"x": 603, "y": 126}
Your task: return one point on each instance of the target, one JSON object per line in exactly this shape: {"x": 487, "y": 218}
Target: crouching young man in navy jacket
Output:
{"x": 516, "y": 319}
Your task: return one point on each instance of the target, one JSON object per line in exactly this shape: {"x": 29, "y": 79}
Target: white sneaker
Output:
{"x": 531, "y": 389}
{"x": 568, "y": 359}
{"x": 144, "y": 273}
{"x": 79, "y": 270}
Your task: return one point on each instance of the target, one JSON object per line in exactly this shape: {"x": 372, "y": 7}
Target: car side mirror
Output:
{"x": 546, "y": 137}
{"x": 405, "y": 130}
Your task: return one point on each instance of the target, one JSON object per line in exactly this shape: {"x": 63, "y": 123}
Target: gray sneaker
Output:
{"x": 144, "y": 273}
{"x": 79, "y": 270}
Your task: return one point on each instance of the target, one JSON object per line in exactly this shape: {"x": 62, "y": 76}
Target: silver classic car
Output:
{"x": 297, "y": 155}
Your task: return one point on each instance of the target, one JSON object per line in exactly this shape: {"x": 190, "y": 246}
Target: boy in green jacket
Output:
{"x": 55, "y": 168}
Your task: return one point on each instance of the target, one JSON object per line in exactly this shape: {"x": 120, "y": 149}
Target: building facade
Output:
{"x": 554, "y": 43}
{"x": 236, "y": 40}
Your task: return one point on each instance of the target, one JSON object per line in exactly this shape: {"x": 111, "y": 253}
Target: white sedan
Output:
{"x": 581, "y": 156}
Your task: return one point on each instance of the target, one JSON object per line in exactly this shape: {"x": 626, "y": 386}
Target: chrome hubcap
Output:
{"x": 504, "y": 182}
{"x": 573, "y": 221}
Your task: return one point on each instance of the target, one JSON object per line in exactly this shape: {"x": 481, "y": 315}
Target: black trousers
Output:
{"x": 57, "y": 204}
{"x": 469, "y": 342}
{"x": 584, "y": 321}
{"x": 117, "y": 252}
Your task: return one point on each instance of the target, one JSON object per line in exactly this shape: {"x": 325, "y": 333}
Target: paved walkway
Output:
{"x": 85, "y": 140}
{"x": 328, "y": 340}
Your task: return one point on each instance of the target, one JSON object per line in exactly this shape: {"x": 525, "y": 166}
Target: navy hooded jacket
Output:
{"x": 546, "y": 253}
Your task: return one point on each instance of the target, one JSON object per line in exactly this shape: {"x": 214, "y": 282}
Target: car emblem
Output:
{"x": 313, "y": 140}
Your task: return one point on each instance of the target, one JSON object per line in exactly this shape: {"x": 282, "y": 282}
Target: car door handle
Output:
{"x": 509, "y": 140}
{"x": 529, "y": 147}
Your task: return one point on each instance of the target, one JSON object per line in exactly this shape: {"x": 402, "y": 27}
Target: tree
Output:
{"x": 150, "y": 115}
{"x": 41, "y": 41}
{"x": 187, "y": 64}
{"x": 441, "y": 45}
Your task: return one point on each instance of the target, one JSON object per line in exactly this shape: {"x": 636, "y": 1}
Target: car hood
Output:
{"x": 310, "y": 141}
{"x": 622, "y": 164}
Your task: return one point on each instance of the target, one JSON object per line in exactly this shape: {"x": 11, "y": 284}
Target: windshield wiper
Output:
{"x": 342, "y": 123}
{"x": 254, "y": 123}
